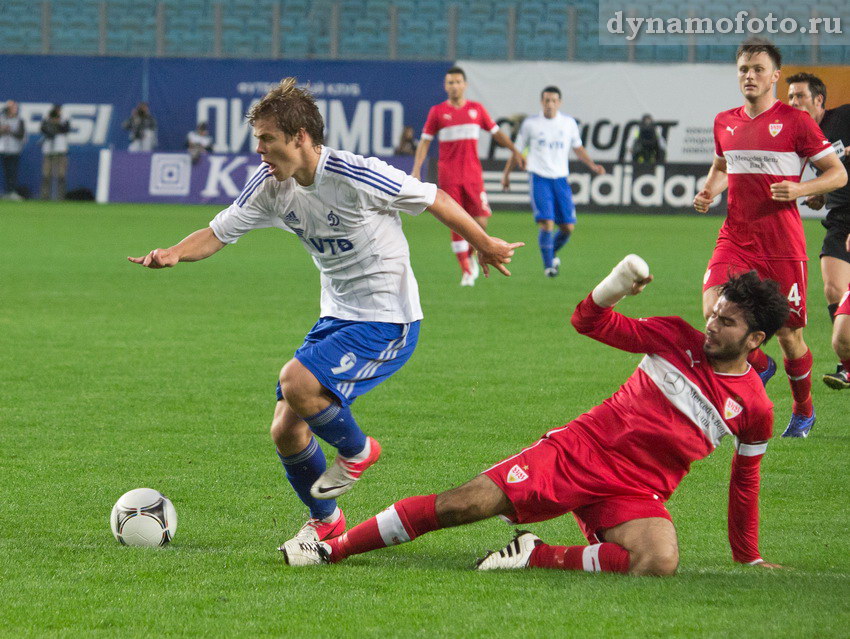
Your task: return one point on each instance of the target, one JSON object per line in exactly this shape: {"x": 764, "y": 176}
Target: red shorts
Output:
{"x": 844, "y": 305}
{"x": 550, "y": 478}
{"x": 471, "y": 196}
{"x": 791, "y": 275}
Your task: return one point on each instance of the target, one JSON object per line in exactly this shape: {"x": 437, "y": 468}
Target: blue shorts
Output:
{"x": 350, "y": 358}
{"x": 552, "y": 199}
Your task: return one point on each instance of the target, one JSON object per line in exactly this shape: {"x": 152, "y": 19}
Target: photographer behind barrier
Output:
{"x": 54, "y": 147}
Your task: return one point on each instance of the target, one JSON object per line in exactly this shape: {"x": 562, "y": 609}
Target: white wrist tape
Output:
{"x": 620, "y": 280}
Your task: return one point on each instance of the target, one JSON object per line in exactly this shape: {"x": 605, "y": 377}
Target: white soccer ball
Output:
{"x": 143, "y": 517}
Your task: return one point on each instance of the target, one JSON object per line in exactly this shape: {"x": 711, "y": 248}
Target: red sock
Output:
{"x": 800, "y": 377}
{"x": 463, "y": 260}
{"x": 404, "y": 521}
{"x": 846, "y": 364}
{"x": 758, "y": 359}
{"x": 462, "y": 250}
{"x": 595, "y": 558}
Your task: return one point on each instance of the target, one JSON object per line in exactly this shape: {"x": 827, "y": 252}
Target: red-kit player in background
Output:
{"x": 761, "y": 149}
{"x": 457, "y": 123}
{"x": 616, "y": 465}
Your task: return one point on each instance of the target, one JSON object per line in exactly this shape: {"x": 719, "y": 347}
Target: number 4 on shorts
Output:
{"x": 794, "y": 295}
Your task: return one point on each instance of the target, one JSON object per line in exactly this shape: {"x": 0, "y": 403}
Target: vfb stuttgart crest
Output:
{"x": 473, "y": 113}
{"x": 775, "y": 128}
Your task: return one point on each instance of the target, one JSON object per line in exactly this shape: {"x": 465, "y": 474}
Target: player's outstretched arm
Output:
{"x": 505, "y": 141}
{"x": 506, "y": 174}
{"x": 629, "y": 277}
{"x": 581, "y": 154}
{"x": 492, "y": 251}
{"x": 197, "y": 246}
{"x": 715, "y": 184}
{"x": 419, "y": 158}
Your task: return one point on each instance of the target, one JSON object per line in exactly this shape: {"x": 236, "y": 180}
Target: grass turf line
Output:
{"x": 115, "y": 377}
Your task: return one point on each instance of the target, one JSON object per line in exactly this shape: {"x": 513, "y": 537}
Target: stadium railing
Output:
{"x": 343, "y": 29}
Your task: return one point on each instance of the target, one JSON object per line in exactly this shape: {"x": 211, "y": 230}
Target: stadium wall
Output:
{"x": 365, "y": 104}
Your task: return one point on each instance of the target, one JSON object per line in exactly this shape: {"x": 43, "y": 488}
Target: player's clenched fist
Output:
{"x": 702, "y": 201}
{"x": 785, "y": 191}
{"x": 157, "y": 258}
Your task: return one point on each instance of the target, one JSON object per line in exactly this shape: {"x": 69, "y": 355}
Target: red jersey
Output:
{"x": 457, "y": 129}
{"x": 771, "y": 147}
{"x": 673, "y": 410}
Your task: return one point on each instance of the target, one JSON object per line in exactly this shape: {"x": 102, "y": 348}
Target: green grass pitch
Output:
{"x": 114, "y": 377}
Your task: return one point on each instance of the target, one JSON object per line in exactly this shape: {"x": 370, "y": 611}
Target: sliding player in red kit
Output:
{"x": 760, "y": 151}
{"x": 615, "y": 466}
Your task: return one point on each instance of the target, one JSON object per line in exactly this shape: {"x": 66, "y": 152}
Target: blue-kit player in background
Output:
{"x": 344, "y": 209}
{"x": 549, "y": 137}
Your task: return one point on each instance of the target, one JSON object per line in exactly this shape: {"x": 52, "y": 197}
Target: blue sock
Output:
{"x": 544, "y": 239}
{"x": 337, "y": 426}
{"x": 561, "y": 238}
{"x": 302, "y": 470}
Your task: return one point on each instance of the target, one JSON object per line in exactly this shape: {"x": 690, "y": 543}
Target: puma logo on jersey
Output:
{"x": 732, "y": 409}
{"x": 691, "y": 357}
{"x": 731, "y": 129}
{"x": 517, "y": 474}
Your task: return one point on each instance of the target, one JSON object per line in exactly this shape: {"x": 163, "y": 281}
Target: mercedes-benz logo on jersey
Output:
{"x": 346, "y": 363}
{"x": 333, "y": 219}
{"x": 674, "y": 383}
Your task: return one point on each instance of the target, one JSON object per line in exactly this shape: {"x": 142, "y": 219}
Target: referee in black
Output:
{"x": 808, "y": 92}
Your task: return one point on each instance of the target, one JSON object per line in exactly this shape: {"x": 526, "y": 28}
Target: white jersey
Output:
{"x": 348, "y": 220}
{"x": 549, "y": 141}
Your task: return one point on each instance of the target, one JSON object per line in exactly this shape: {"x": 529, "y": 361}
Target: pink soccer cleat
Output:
{"x": 340, "y": 478}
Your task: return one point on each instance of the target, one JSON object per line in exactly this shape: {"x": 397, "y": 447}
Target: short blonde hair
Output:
{"x": 292, "y": 109}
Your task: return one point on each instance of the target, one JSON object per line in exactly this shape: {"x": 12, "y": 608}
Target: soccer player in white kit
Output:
{"x": 344, "y": 209}
{"x": 549, "y": 137}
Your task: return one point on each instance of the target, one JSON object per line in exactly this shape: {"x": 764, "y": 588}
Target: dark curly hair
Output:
{"x": 765, "y": 307}
{"x": 292, "y": 109}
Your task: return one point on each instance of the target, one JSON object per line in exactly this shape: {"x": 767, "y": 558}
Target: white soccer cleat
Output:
{"x": 467, "y": 280}
{"x": 306, "y": 553}
{"x": 343, "y": 474}
{"x": 515, "y": 555}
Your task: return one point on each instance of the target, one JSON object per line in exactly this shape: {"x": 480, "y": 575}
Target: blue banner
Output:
{"x": 173, "y": 178}
{"x": 365, "y": 104}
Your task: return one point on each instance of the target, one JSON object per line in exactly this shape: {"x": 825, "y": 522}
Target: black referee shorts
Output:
{"x": 834, "y": 242}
